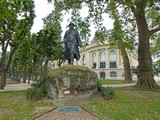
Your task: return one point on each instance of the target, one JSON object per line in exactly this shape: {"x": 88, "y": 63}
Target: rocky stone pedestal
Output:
{"x": 71, "y": 81}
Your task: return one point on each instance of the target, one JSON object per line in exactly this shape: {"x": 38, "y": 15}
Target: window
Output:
{"x": 102, "y": 65}
{"x": 102, "y": 59}
{"x": 102, "y": 75}
{"x": 94, "y": 60}
{"x": 94, "y": 65}
{"x": 113, "y": 74}
{"x": 113, "y": 65}
{"x": 113, "y": 59}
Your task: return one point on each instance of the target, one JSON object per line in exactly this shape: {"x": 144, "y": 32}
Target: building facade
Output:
{"x": 105, "y": 61}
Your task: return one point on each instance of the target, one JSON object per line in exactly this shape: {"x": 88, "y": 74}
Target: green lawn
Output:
{"x": 14, "y": 106}
{"x": 129, "y": 104}
{"x": 109, "y": 81}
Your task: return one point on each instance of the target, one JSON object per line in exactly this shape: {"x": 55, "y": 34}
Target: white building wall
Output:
{"x": 89, "y": 62}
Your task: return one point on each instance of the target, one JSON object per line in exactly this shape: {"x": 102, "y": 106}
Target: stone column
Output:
{"x": 107, "y": 58}
{"x": 97, "y": 59}
{"x": 90, "y": 60}
{"x": 87, "y": 58}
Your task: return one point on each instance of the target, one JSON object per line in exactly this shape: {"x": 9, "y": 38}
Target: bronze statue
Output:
{"x": 72, "y": 41}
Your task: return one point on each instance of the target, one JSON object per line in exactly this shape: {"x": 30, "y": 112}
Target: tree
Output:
{"x": 121, "y": 40}
{"x": 59, "y": 53}
{"x": 146, "y": 16}
{"x": 53, "y": 21}
{"x": 47, "y": 42}
{"x": 22, "y": 64}
{"x": 16, "y": 20}
{"x": 139, "y": 9}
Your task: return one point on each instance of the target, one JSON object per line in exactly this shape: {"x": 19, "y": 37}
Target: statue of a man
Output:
{"x": 72, "y": 41}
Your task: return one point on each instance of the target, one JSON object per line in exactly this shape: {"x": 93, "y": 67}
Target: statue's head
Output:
{"x": 71, "y": 25}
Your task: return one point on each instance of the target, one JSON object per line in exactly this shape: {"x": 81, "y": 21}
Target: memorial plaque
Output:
{"x": 68, "y": 108}
{"x": 67, "y": 92}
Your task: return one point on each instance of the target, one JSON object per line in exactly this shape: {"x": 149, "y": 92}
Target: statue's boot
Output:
{"x": 71, "y": 62}
{"x": 71, "y": 58}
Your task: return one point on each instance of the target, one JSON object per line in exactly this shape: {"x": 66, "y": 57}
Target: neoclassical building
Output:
{"x": 105, "y": 61}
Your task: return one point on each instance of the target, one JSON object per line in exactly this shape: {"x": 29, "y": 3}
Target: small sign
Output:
{"x": 68, "y": 108}
{"x": 67, "y": 92}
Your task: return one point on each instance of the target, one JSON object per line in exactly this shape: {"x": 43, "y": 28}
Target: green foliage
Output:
{"x": 107, "y": 92}
{"x": 156, "y": 67}
{"x": 39, "y": 48}
{"x": 16, "y": 20}
{"x": 155, "y": 43}
{"x": 37, "y": 91}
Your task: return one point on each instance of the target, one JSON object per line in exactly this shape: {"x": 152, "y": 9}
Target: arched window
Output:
{"x": 102, "y": 56}
{"x": 94, "y": 59}
{"x": 113, "y": 74}
{"x": 112, "y": 56}
{"x": 102, "y": 75}
{"x": 84, "y": 60}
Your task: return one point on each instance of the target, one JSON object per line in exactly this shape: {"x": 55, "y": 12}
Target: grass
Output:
{"x": 14, "y": 106}
{"x": 129, "y": 104}
{"x": 109, "y": 81}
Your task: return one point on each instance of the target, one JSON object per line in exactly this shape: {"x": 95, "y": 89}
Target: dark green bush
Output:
{"x": 107, "y": 92}
{"x": 37, "y": 91}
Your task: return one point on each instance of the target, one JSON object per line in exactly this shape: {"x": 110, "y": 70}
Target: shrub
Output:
{"x": 37, "y": 91}
{"x": 107, "y": 92}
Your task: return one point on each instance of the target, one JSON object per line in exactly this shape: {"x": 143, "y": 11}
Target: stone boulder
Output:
{"x": 71, "y": 81}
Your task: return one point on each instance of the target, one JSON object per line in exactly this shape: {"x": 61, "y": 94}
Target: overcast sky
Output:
{"x": 43, "y": 8}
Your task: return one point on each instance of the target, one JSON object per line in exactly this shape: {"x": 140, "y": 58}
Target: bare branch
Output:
{"x": 118, "y": 5}
{"x": 151, "y": 32}
{"x": 125, "y": 3}
{"x": 128, "y": 4}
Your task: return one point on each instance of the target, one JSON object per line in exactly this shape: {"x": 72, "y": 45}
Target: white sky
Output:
{"x": 43, "y": 8}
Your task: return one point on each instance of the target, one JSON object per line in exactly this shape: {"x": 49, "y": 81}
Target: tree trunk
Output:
{"x": 44, "y": 74}
{"x": 2, "y": 80}
{"x": 126, "y": 64}
{"x": 29, "y": 77}
{"x": 145, "y": 72}
{"x": 24, "y": 75}
{"x": 35, "y": 73}
{"x": 29, "y": 74}
{"x": 2, "y": 83}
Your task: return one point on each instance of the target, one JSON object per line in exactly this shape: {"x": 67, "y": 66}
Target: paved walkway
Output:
{"x": 120, "y": 85}
{"x": 127, "y": 84}
{"x": 15, "y": 87}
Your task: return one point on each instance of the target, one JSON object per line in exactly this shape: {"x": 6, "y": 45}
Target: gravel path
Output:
{"x": 16, "y": 87}
{"x": 74, "y": 115}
